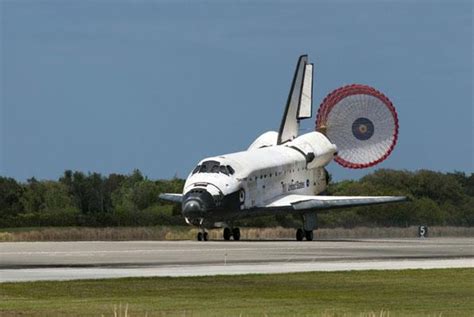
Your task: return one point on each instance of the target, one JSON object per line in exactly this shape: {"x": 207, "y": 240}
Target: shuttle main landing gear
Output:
{"x": 302, "y": 234}
{"x": 236, "y": 234}
{"x": 309, "y": 224}
{"x": 299, "y": 234}
{"x": 228, "y": 233}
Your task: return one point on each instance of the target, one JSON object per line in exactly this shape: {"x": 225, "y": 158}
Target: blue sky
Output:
{"x": 110, "y": 86}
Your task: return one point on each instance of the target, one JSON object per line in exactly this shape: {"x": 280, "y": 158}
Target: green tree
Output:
{"x": 10, "y": 197}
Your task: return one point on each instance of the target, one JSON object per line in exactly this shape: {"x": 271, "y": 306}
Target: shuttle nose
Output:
{"x": 197, "y": 203}
{"x": 192, "y": 207}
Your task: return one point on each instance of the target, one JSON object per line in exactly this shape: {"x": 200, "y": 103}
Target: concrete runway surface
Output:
{"x": 31, "y": 261}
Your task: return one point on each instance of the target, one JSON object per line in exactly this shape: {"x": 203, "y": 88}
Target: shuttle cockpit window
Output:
{"x": 196, "y": 169}
{"x": 223, "y": 169}
{"x": 230, "y": 169}
{"x": 213, "y": 167}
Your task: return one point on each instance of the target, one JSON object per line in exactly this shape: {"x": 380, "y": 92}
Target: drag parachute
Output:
{"x": 362, "y": 122}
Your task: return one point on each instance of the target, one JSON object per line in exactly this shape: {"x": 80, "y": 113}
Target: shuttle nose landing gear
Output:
{"x": 235, "y": 233}
{"x": 203, "y": 236}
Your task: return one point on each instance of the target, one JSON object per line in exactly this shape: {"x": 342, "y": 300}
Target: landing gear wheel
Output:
{"x": 205, "y": 236}
{"x": 299, "y": 235}
{"x": 236, "y": 234}
{"x": 199, "y": 236}
{"x": 227, "y": 234}
{"x": 309, "y": 235}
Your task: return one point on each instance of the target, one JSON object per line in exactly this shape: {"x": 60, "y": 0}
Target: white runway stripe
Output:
{"x": 21, "y": 275}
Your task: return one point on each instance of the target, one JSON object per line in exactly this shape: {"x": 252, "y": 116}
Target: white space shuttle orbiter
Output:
{"x": 283, "y": 172}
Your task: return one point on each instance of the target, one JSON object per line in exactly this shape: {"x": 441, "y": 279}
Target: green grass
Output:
{"x": 448, "y": 292}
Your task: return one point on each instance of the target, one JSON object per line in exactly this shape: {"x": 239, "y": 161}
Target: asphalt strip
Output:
{"x": 66, "y": 273}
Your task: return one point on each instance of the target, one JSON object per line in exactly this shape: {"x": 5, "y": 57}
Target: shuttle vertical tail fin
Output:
{"x": 299, "y": 103}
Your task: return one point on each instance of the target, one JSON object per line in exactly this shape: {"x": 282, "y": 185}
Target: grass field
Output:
{"x": 448, "y": 292}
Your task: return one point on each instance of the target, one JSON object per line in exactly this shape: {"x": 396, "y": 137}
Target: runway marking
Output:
{"x": 18, "y": 275}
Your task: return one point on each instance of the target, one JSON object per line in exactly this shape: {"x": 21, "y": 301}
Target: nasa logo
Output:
{"x": 295, "y": 186}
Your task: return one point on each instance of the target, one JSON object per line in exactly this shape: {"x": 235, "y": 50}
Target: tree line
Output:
{"x": 92, "y": 199}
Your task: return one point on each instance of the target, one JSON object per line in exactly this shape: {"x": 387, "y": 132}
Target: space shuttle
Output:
{"x": 283, "y": 172}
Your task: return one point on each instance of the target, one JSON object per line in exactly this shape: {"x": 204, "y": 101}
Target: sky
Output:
{"x": 111, "y": 86}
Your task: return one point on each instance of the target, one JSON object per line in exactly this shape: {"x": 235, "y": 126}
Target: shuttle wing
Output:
{"x": 306, "y": 202}
{"x": 175, "y": 198}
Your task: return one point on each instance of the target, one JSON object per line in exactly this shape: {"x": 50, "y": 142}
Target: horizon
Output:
{"x": 467, "y": 174}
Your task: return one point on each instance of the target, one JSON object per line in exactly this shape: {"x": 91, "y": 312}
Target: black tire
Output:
{"x": 299, "y": 235}
{"x": 236, "y": 234}
{"x": 199, "y": 236}
{"x": 205, "y": 236}
{"x": 309, "y": 235}
{"x": 227, "y": 234}
{"x": 242, "y": 196}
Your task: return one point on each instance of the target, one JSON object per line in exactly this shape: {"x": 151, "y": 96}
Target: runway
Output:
{"x": 31, "y": 261}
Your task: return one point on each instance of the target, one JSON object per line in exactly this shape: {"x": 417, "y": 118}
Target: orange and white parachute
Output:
{"x": 362, "y": 122}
